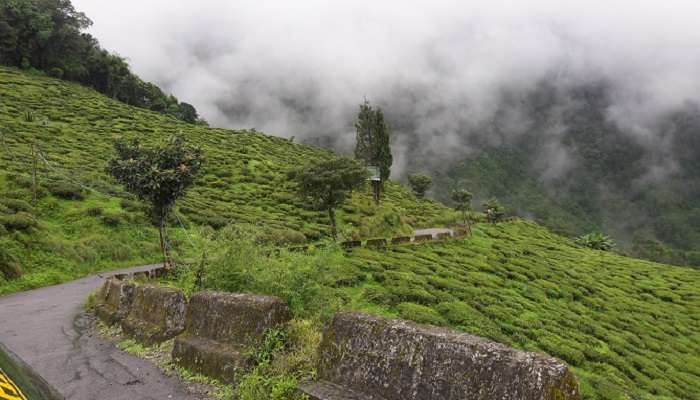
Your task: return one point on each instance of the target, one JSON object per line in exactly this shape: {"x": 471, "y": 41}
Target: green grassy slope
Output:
{"x": 243, "y": 182}
{"x": 629, "y": 328}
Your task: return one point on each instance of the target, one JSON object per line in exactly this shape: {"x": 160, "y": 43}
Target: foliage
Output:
{"x": 243, "y": 182}
{"x": 372, "y": 139}
{"x": 462, "y": 199}
{"x": 326, "y": 184}
{"x": 49, "y": 35}
{"x": 627, "y": 327}
{"x": 494, "y": 211}
{"x": 596, "y": 241}
{"x": 420, "y": 183}
{"x": 159, "y": 175}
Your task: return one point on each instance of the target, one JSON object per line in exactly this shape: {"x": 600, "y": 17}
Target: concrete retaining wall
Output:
{"x": 220, "y": 327}
{"x": 113, "y": 300}
{"x": 156, "y": 315}
{"x": 370, "y": 357}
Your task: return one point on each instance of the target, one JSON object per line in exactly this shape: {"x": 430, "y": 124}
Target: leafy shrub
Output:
{"x": 20, "y": 221}
{"x": 130, "y": 205}
{"x": 16, "y": 205}
{"x": 596, "y": 241}
{"x": 10, "y": 268}
{"x": 420, "y": 314}
{"x": 94, "y": 211}
{"x": 67, "y": 190}
{"x": 111, "y": 219}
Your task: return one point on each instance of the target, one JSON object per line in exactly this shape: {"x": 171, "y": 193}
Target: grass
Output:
{"x": 82, "y": 222}
{"x": 628, "y": 328}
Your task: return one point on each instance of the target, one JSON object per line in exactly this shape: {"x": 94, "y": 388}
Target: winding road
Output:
{"x": 48, "y": 330}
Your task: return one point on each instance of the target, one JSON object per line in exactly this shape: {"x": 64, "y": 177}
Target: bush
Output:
{"x": 596, "y": 241}
{"x": 94, "y": 211}
{"x": 21, "y": 221}
{"x": 67, "y": 190}
{"x": 131, "y": 205}
{"x": 112, "y": 219}
{"x": 16, "y": 205}
{"x": 10, "y": 268}
{"x": 421, "y": 314}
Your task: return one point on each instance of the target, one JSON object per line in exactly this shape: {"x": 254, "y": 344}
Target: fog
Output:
{"x": 439, "y": 69}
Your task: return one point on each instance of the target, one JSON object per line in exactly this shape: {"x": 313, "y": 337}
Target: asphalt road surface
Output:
{"x": 48, "y": 330}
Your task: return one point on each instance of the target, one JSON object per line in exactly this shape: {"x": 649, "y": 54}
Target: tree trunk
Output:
{"x": 331, "y": 217}
{"x": 164, "y": 241}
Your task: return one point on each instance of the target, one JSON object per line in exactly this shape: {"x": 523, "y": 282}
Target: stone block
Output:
{"x": 157, "y": 314}
{"x": 423, "y": 238}
{"x": 351, "y": 244}
{"x": 370, "y": 357}
{"x": 376, "y": 243}
{"x": 444, "y": 235}
{"x": 113, "y": 300}
{"x": 220, "y": 327}
{"x": 401, "y": 240}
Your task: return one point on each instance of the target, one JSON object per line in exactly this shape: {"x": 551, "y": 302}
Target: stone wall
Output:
{"x": 113, "y": 300}
{"x": 370, "y": 357}
{"x": 221, "y": 327}
{"x": 156, "y": 315}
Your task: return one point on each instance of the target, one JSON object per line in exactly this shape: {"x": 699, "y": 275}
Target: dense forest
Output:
{"x": 48, "y": 36}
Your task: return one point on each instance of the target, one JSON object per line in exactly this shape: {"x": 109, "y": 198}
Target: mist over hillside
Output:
{"x": 614, "y": 82}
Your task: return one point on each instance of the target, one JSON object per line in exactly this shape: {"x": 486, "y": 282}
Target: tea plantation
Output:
{"x": 629, "y": 328}
{"x": 82, "y": 222}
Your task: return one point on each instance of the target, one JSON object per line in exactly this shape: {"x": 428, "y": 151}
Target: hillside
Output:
{"x": 82, "y": 222}
{"x": 570, "y": 165}
{"x": 629, "y": 328}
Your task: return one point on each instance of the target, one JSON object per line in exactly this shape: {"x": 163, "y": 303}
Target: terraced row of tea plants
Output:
{"x": 81, "y": 222}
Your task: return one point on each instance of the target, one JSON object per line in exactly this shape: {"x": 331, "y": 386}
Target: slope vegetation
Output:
{"x": 82, "y": 222}
{"x": 629, "y": 328}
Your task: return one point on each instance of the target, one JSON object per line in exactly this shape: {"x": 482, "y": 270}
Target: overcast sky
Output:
{"x": 301, "y": 67}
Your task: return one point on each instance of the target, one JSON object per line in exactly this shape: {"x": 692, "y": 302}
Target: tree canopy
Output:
{"x": 325, "y": 184}
{"x": 372, "y": 139}
{"x": 420, "y": 183}
{"x": 158, "y": 175}
{"x": 462, "y": 199}
{"x": 48, "y": 35}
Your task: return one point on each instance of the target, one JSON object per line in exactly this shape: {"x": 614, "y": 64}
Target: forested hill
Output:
{"x": 47, "y": 36}
{"x": 574, "y": 169}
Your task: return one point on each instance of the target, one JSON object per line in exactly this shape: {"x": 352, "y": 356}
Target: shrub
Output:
{"x": 21, "y": 221}
{"x": 16, "y": 205}
{"x": 596, "y": 241}
{"x": 67, "y": 190}
{"x": 112, "y": 219}
{"x": 10, "y": 268}
{"x": 131, "y": 205}
{"x": 94, "y": 211}
{"x": 421, "y": 314}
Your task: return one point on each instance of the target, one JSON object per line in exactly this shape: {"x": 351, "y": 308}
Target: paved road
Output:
{"x": 432, "y": 231}
{"x": 47, "y": 329}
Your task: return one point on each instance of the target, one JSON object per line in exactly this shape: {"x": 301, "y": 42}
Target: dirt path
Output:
{"x": 47, "y": 329}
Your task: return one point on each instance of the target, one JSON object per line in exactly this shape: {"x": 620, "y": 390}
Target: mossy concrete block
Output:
{"x": 351, "y": 244}
{"x": 221, "y": 326}
{"x": 401, "y": 240}
{"x": 113, "y": 301}
{"x": 394, "y": 359}
{"x": 376, "y": 243}
{"x": 444, "y": 235}
{"x": 157, "y": 314}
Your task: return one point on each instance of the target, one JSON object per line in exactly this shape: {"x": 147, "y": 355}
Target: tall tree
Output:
{"x": 372, "y": 145}
{"x": 157, "y": 175}
{"x": 463, "y": 199}
{"x": 325, "y": 184}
